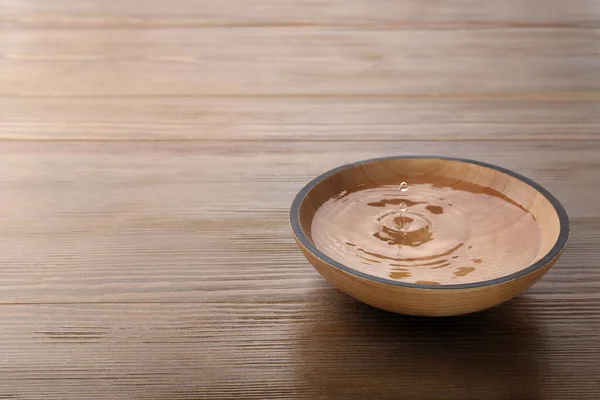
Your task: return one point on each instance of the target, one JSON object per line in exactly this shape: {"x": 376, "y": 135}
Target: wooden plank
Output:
{"x": 324, "y": 119}
{"x": 207, "y": 221}
{"x": 316, "y": 346}
{"x": 313, "y": 61}
{"x": 149, "y": 151}
{"x": 433, "y": 15}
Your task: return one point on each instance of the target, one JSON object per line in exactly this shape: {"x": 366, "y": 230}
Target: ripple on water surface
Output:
{"x": 426, "y": 234}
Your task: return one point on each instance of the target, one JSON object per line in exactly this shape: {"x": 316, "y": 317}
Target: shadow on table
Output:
{"x": 361, "y": 352}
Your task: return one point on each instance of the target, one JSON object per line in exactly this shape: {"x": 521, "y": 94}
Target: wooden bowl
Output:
{"x": 430, "y": 236}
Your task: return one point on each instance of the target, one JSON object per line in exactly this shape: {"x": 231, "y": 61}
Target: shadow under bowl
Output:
{"x": 428, "y": 235}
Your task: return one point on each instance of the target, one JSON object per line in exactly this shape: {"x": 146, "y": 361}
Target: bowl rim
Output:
{"x": 553, "y": 253}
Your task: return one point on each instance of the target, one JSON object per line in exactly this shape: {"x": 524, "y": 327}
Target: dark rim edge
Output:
{"x": 553, "y": 253}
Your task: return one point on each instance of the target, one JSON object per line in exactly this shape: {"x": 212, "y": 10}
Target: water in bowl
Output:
{"x": 422, "y": 233}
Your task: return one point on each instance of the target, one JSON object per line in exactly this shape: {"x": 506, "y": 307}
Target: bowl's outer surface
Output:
{"x": 427, "y": 300}
{"x": 421, "y": 301}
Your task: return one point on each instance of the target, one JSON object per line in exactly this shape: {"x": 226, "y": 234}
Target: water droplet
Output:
{"x": 403, "y": 187}
{"x": 403, "y": 206}
{"x": 403, "y": 222}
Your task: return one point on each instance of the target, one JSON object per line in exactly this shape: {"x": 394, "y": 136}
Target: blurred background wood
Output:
{"x": 149, "y": 152}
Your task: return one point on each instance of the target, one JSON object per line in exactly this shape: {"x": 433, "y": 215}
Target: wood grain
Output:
{"x": 433, "y": 15}
{"x": 149, "y": 151}
{"x": 313, "y": 61}
{"x": 146, "y": 221}
{"x": 317, "y": 345}
{"x": 297, "y": 119}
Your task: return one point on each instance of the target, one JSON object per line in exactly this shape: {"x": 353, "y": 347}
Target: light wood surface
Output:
{"x": 149, "y": 152}
{"x": 307, "y": 61}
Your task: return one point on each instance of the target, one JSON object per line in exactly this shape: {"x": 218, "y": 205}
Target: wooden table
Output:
{"x": 149, "y": 151}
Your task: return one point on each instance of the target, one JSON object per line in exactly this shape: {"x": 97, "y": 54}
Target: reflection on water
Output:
{"x": 426, "y": 233}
